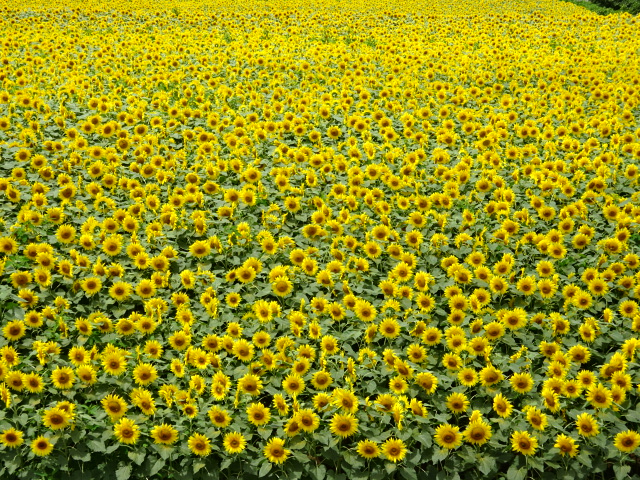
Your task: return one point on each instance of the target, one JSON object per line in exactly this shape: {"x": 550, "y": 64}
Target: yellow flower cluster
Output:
{"x": 290, "y": 232}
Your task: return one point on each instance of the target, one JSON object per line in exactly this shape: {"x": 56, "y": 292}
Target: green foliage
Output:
{"x": 600, "y": 10}
{"x": 605, "y": 7}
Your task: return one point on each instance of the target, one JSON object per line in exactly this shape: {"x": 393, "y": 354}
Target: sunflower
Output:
{"x": 200, "y": 249}
{"x": 243, "y": 350}
{"x": 282, "y": 286}
{"x": 293, "y": 384}
{"x": 598, "y": 287}
{"x": 219, "y": 417}
{"x": 566, "y": 445}
{"x": 245, "y": 274}
{"x": 523, "y": 442}
{"x": 416, "y": 353}
{"x": 627, "y": 441}
{"x": 145, "y": 288}
{"x": 56, "y": 418}
{"x": 115, "y": 406}
{"x": 502, "y": 406}
{"x": 11, "y": 438}
{"x": 8, "y": 245}
{"x": 164, "y": 434}
{"x": 14, "y": 330}
{"x": 468, "y": 377}
{"x": 431, "y": 336}
{"x": 582, "y": 300}
{"x": 547, "y": 288}
{"x": 334, "y": 132}
{"x": 275, "y": 452}
{"x": 427, "y": 381}
{"x": 527, "y": 285}
{"x": 33, "y": 382}
{"x": 120, "y": 291}
{"x": 498, "y": 285}
{"x": 234, "y": 442}
{"x": 91, "y": 285}
{"x": 143, "y": 399}
{"x": 308, "y": 420}
{"x": 490, "y": 376}
{"x": 63, "y": 378}
{"x": 628, "y": 309}
{"x": 587, "y": 425}
{"x": 19, "y": 279}
{"x": 346, "y": 400}
{"x": 179, "y": 340}
{"x": 190, "y": 410}
{"x": 425, "y": 302}
{"x": 114, "y": 363}
{"x": 599, "y": 396}
{"x": 515, "y": 319}
{"x": 126, "y": 431}
{"x": 536, "y": 418}
{"x": 478, "y": 432}
{"x": 87, "y": 374}
{"x": 233, "y": 299}
{"x": 344, "y": 425}
{"x": 368, "y": 449}
{"x": 321, "y": 380}
{"x": 394, "y": 450}
{"x": 78, "y": 356}
{"x": 329, "y": 345}
{"x": 250, "y": 384}
{"x": 258, "y": 414}
{"x": 292, "y": 427}
{"x": 199, "y": 444}
{"x": 457, "y": 402}
{"x": 389, "y": 328}
{"x": 398, "y": 385}
{"x": 41, "y": 446}
{"x": 453, "y": 361}
{"x": 144, "y": 374}
{"x": 448, "y": 436}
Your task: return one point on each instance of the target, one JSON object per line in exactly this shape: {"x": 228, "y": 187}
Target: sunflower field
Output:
{"x": 291, "y": 239}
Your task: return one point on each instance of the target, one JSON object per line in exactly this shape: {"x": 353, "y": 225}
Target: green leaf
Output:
{"x": 81, "y": 454}
{"x": 298, "y": 445}
{"x": 360, "y": 476}
{"x": 225, "y": 463}
{"x": 164, "y": 452}
{"x": 425, "y": 439}
{"x": 584, "y": 458}
{"x": 136, "y": 457}
{"x": 75, "y": 435}
{"x": 96, "y": 446}
{"x": 13, "y": 464}
{"x": 535, "y": 463}
{"x": 5, "y": 292}
{"x": 112, "y": 448}
{"x": 621, "y": 471}
{"x": 319, "y": 472}
{"x": 159, "y": 465}
{"x": 409, "y": 473}
{"x": 123, "y": 473}
{"x": 515, "y": 473}
{"x": 264, "y": 469}
{"x": 353, "y": 460}
{"x": 390, "y": 467}
{"x": 197, "y": 466}
{"x": 486, "y": 465}
{"x": 439, "y": 454}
